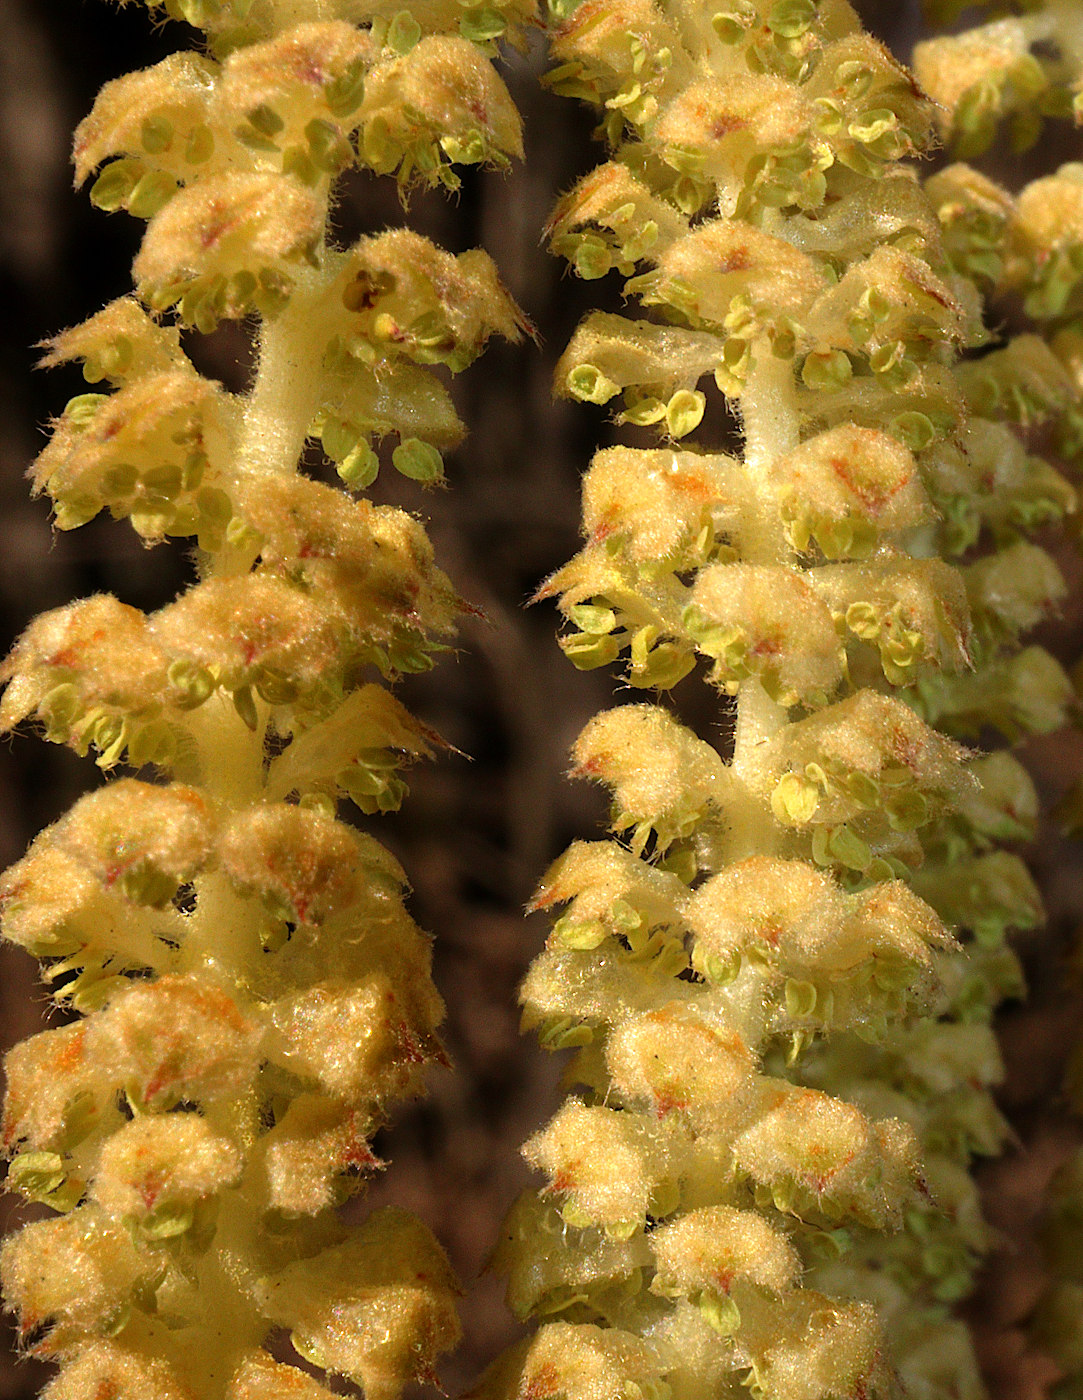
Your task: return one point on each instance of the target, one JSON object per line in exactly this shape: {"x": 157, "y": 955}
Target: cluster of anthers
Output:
{"x": 252, "y": 993}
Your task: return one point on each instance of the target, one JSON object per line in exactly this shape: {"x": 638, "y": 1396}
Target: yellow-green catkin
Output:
{"x": 1002, "y": 79}
{"x": 783, "y": 1055}
{"x": 1055, "y": 1324}
{"x": 1023, "y": 250}
{"x": 252, "y": 992}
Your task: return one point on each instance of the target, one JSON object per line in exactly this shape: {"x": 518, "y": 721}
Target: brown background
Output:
{"x": 475, "y": 835}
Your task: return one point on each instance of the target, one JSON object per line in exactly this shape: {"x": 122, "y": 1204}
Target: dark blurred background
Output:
{"x": 477, "y": 832}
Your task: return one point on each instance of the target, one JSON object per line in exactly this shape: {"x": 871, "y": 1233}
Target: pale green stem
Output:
{"x": 769, "y": 409}
{"x": 759, "y": 719}
{"x": 222, "y": 939}
{"x": 287, "y": 13}
{"x": 230, "y": 754}
{"x": 286, "y": 394}
{"x": 222, "y": 934}
{"x": 751, "y": 827}
{"x": 229, "y": 1326}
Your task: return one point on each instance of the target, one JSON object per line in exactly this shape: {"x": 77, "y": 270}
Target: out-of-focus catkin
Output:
{"x": 1019, "y": 76}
